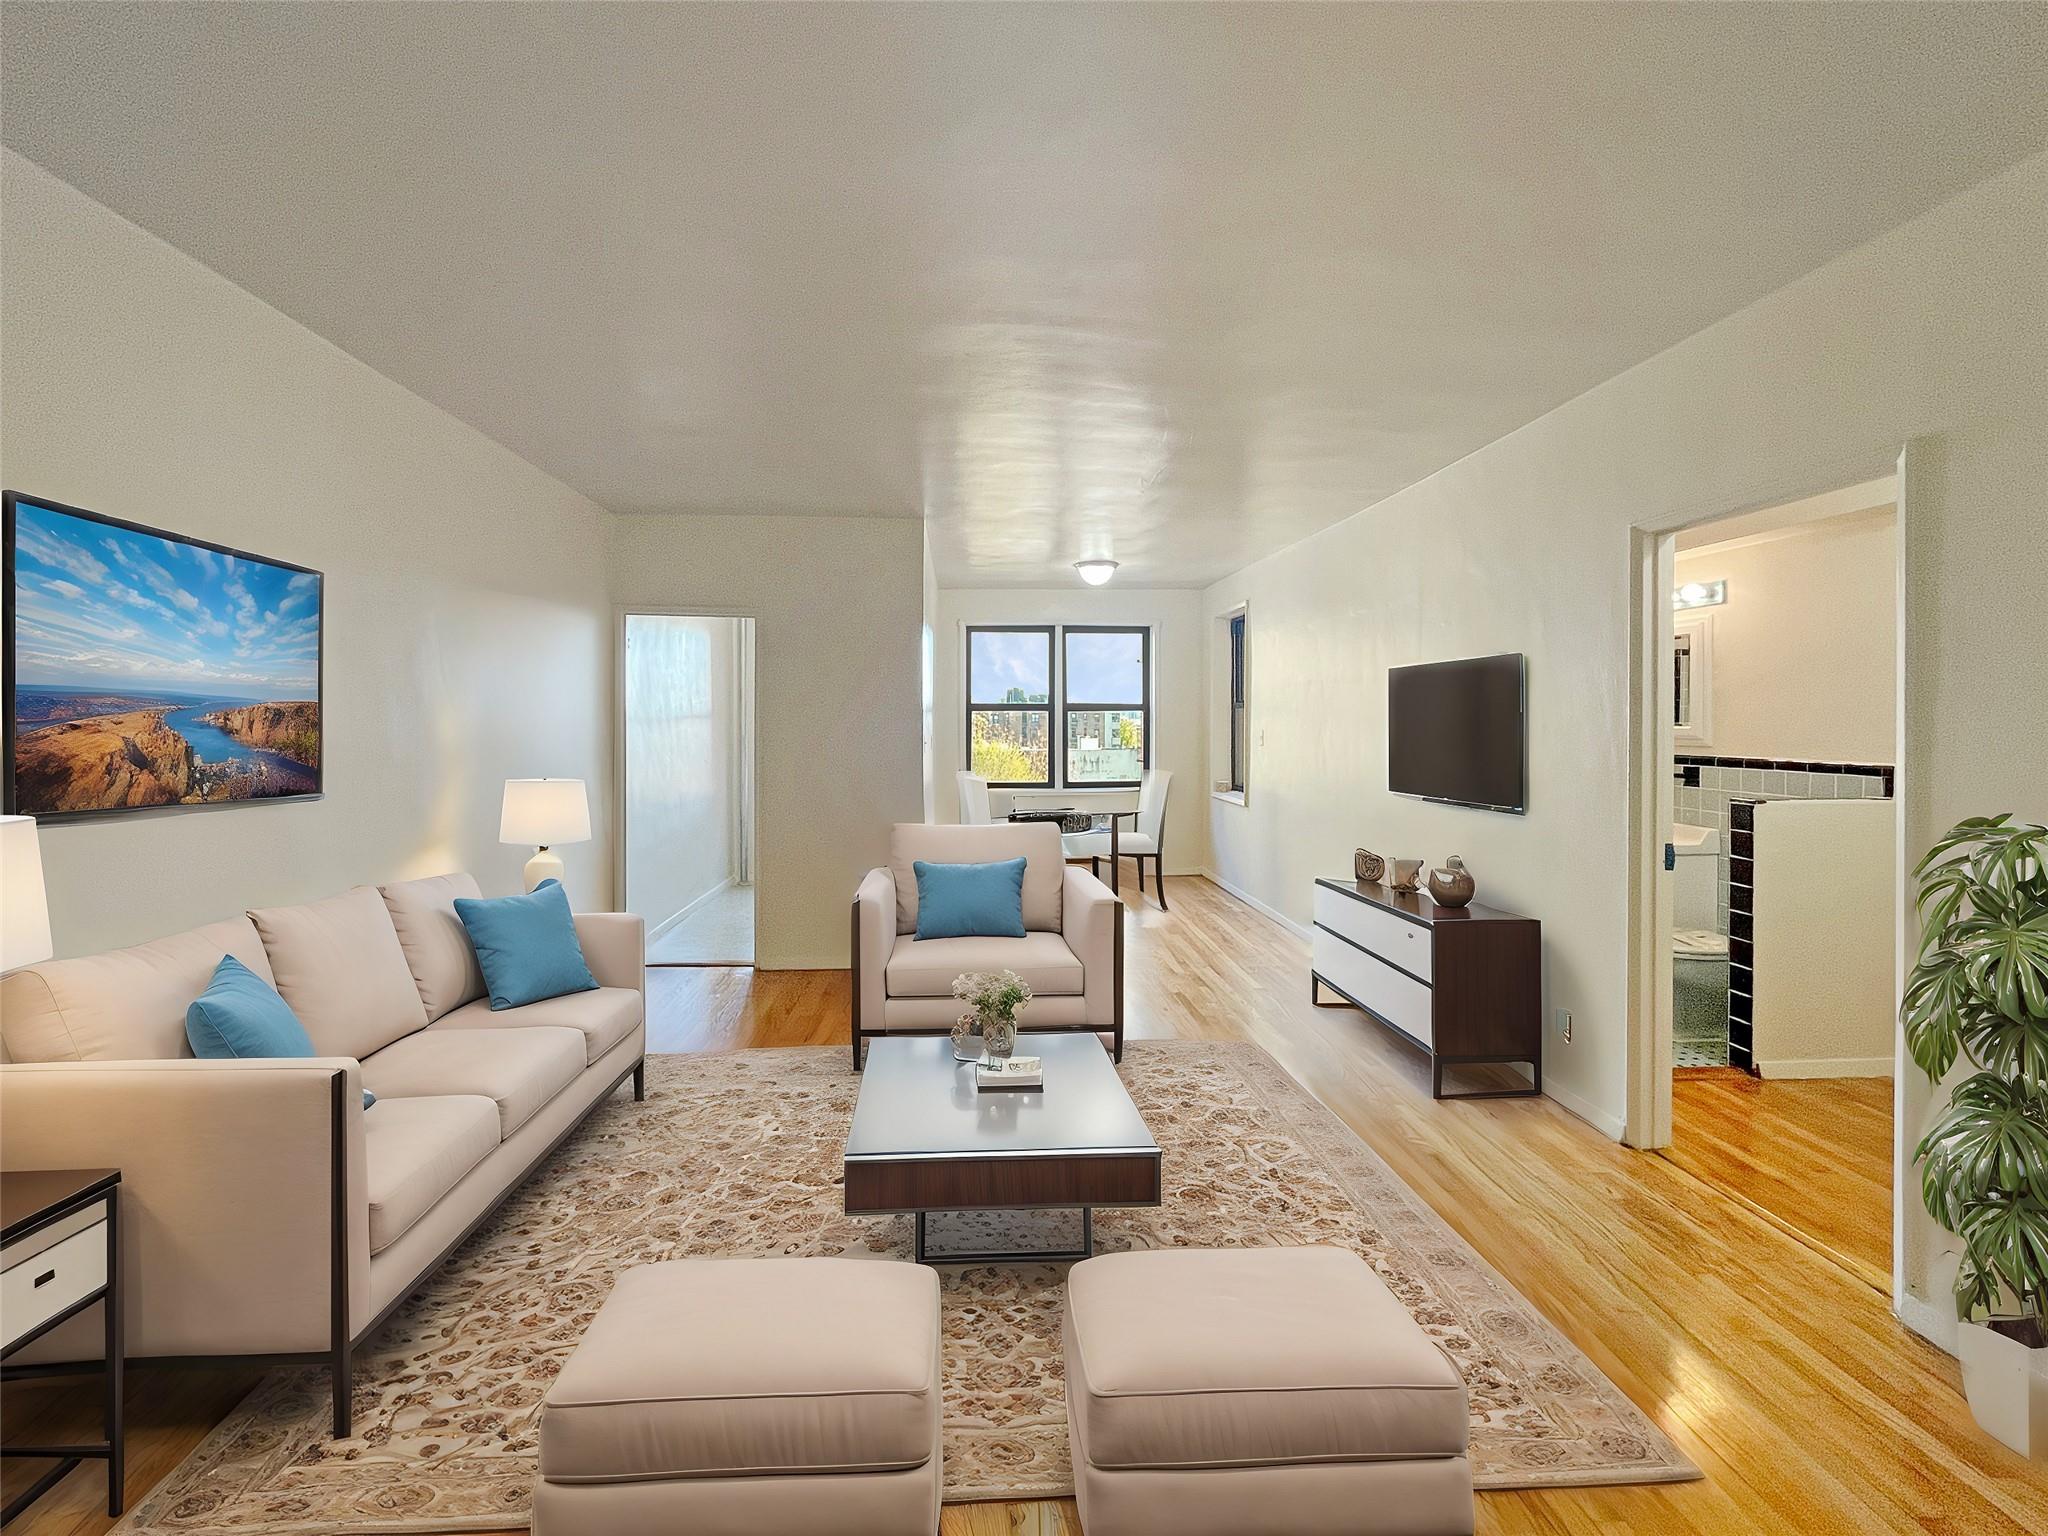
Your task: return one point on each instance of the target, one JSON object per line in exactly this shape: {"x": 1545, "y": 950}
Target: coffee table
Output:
{"x": 925, "y": 1139}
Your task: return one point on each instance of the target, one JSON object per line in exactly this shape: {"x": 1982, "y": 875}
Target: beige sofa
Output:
{"x": 265, "y": 1213}
{"x": 1071, "y": 955}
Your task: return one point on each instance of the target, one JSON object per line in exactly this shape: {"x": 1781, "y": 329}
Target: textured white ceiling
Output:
{"x": 1178, "y": 285}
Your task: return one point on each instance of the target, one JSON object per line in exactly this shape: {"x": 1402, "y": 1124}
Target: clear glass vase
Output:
{"x": 999, "y": 1039}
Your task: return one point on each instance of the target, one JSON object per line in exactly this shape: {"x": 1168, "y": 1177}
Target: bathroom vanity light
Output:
{"x": 1700, "y": 594}
{"x": 1095, "y": 572}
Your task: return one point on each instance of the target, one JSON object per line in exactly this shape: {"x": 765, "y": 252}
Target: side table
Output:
{"x": 60, "y": 1252}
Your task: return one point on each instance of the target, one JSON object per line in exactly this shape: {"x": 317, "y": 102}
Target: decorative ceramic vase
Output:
{"x": 2007, "y": 1387}
{"x": 1368, "y": 866}
{"x": 999, "y": 1039}
{"x": 1407, "y": 876}
{"x": 1452, "y": 885}
{"x": 967, "y": 1038}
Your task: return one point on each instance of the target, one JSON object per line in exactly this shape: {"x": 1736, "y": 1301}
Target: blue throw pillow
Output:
{"x": 961, "y": 901}
{"x": 240, "y": 1014}
{"x": 526, "y": 945}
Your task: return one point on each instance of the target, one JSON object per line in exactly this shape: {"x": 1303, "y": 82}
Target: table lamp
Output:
{"x": 542, "y": 813}
{"x": 24, "y": 910}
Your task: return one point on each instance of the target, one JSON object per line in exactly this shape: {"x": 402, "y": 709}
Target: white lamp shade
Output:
{"x": 543, "y": 812}
{"x": 24, "y": 910}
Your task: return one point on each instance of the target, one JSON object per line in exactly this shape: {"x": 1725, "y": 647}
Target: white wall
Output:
{"x": 1936, "y": 328}
{"x": 1805, "y": 650}
{"x": 838, "y": 605}
{"x": 467, "y": 633}
{"x": 1178, "y": 696}
{"x": 682, "y": 709}
{"x": 1824, "y": 963}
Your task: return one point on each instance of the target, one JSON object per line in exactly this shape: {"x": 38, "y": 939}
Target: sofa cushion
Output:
{"x": 1038, "y": 842}
{"x": 723, "y": 1367}
{"x": 124, "y": 1004}
{"x": 415, "y": 1151}
{"x": 926, "y": 967}
{"x": 518, "y": 1069}
{"x": 1299, "y": 1354}
{"x": 240, "y": 1014}
{"x": 527, "y": 945}
{"x": 437, "y": 949}
{"x": 605, "y": 1016}
{"x": 339, "y": 965}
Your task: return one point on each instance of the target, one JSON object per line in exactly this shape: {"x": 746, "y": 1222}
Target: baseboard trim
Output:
{"x": 1610, "y": 1126}
{"x": 1299, "y": 930}
{"x": 1829, "y": 1066}
{"x": 1936, "y": 1323}
{"x": 674, "y": 918}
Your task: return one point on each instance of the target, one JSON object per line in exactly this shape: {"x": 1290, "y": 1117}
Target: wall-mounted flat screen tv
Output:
{"x": 145, "y": 670}
{"x": 1457, "y": 731}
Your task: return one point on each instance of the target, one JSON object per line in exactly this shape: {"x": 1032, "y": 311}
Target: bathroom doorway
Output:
{"x": 687, "y": 764}
{"x": 1776, "y": 917}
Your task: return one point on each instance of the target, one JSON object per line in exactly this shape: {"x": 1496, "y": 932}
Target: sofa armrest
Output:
{"x": 874, "y": 938}
{"x": 227, "y": 1195}
{"x": 1091, "y": 921}
{"x": 615, "y": 949}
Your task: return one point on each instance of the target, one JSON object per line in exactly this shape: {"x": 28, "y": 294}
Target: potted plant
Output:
{"x": 994, "y": 999}
{"x": 1980, "y": 992}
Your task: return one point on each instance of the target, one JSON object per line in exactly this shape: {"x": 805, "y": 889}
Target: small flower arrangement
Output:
{"x": 994, "y": 999}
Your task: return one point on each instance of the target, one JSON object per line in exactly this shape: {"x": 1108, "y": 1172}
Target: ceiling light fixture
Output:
{"x": 1095, "y": 572}
{"x": 1700, "y": 594}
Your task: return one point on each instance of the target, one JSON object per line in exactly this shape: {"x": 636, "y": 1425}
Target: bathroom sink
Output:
{"x": 1687, "y": 840}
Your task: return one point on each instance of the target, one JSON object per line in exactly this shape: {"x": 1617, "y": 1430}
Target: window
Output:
{"x": 1104, "y": 720}
{"x": 1009, "y": 705}
{"x": 1239, "y": 752}
{"x": 1106, "y": 705}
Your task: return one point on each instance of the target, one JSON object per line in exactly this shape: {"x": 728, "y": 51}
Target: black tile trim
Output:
{"x": 1884, "y": 771}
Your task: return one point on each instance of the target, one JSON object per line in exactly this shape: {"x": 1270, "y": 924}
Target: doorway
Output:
{"x": 687, "y": 753}
{"x": 1775, "y": 920}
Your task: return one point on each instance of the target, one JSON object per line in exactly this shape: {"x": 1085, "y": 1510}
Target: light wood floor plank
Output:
{"x": 1777, "y": 1369}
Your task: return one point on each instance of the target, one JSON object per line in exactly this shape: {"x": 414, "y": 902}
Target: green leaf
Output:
{"x": 2009, "y": 1237}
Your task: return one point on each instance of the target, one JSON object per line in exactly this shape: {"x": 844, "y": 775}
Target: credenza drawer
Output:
{"x": 37, "y": 1288}
{"x": 1402, "y": 944}
{"x": 1370, "y": 982}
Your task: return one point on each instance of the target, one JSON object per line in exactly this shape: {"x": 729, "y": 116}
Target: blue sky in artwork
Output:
{"x": 105, "y": 607}
{"x": 1101, "y": 669}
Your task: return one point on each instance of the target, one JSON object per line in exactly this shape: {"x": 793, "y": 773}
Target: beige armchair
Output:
{"x": 1071, "y": 955}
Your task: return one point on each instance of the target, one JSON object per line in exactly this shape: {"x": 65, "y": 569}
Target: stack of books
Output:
{"x": 1017, "y": 1072}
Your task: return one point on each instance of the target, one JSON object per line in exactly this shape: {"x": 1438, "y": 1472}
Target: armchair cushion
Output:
{"x": 961, "y": 901}
{"x": 926, "y": 967}
{"x": 1036, "y": 842}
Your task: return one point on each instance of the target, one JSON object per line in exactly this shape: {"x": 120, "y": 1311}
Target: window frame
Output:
{"x": 1054, "y": 684}
{"x": 1070, "y": 706}
{"x": 1240, "y": 741}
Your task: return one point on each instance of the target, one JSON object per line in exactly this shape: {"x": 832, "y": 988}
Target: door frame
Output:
{"x": 1651, "y": 800}
{"x": 621, "y": 612}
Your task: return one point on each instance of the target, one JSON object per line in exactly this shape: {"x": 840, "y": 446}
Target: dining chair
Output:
{"x": 1147, "y": 840}
{"x": 974, "y": 810}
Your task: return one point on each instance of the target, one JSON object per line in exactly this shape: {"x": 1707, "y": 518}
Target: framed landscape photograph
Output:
{"x": 145, "y": 670}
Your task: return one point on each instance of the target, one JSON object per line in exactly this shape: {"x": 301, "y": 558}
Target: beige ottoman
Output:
{"x": 1278, "y": 1390}
{"x": 729, "y": 1397}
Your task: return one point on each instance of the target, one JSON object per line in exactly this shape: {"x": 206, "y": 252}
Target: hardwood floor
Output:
{"x": 1815, "y": 1156}
{"x": 1777, "y": 1370}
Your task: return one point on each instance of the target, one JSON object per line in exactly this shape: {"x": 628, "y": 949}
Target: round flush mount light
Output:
{"x": 1095, "y": 572}
{"x": 1692, "y": 592}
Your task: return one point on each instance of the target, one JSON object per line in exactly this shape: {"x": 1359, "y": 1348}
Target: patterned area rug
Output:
{"x": 741, "y": 1154}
